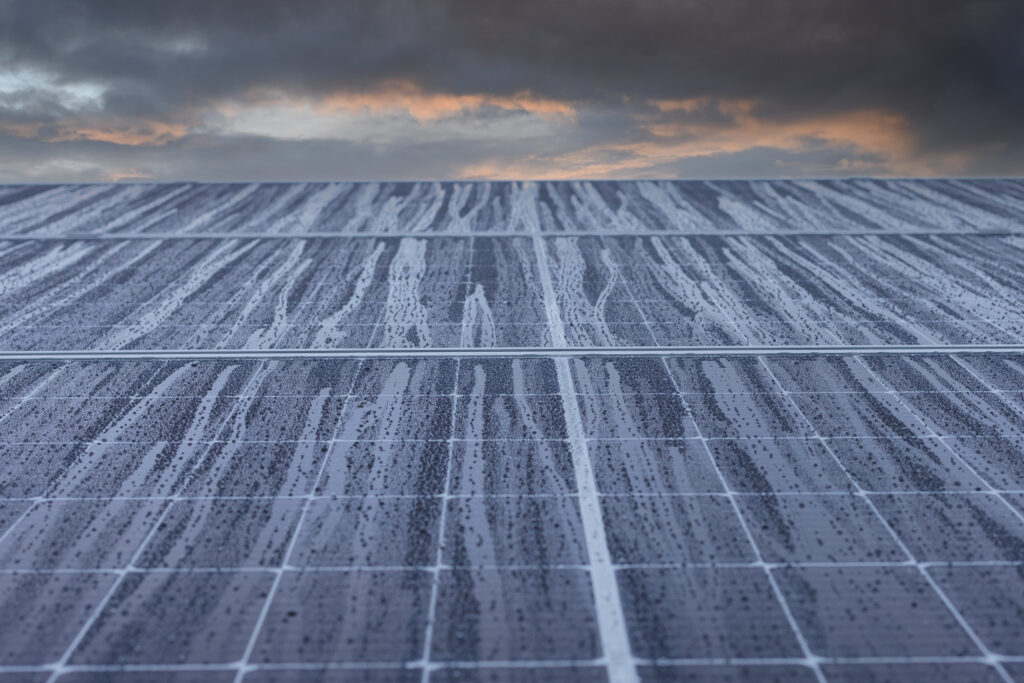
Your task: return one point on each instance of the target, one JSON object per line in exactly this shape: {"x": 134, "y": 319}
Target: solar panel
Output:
{"x": 512, "y": 432}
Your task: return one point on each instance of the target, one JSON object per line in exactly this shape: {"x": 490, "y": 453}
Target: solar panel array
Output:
{"x": 440, "y": 432}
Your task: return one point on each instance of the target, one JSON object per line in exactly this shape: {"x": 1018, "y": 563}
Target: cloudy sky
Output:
{"x": 407, "y": 89}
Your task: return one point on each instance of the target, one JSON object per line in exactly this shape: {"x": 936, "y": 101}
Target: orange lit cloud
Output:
{"x": 127, "y": 174}
{"x": 400, "y": 97}
{"x": 285, "y": 116}
{"x": 396, "y": 112}
{"x": 427, "y": 106}
{"x": 878, "y": 135}
{"x": 661, "y": 135}
{"x": 869, "y": 130}
{"x": 132, "y": 134}
{"x": 444, "y": 88}
{"x": 153, "y": 133}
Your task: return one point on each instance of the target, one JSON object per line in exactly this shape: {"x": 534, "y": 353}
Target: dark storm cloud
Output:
{"x": 953, "y": 71}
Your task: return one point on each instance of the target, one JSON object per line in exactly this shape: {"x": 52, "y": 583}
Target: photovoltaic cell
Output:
{"x": 585, "y": 514}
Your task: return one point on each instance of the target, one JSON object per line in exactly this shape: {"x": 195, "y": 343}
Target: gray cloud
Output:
{"x": 952, "y": 71}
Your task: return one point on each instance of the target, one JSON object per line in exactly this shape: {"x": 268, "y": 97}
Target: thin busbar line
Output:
{"x": 841, "y": 437}
{"x": 811, "y": 392}
{"x": 439, "y": 566}
{"x": 122, "y": 574}
{"x": 611, "y": 618}
{"x": 812, "y": 660}
{"x": 374, "y": 568}
{"x": 798, "y": 437}
{"x": 990, "y": 657}
{"x": 989, "y": 487}
{"x": 469, "y": 234}
{"x": 945, "y": 444}
{"x": 895, "y": 493}
{"x": 934, "y": 435}
{"x": 435, "y": 584}
{"x": 809, "y": 658}
{"x": 957, "y": 615}
{"x": 512, "y": 664}
{"x": 217, "y": 307}
{"x": 243, "y": 664}
{"x": 559, "y": 351}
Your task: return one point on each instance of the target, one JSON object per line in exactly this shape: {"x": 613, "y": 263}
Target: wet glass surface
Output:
{"x": 504, "y": 463}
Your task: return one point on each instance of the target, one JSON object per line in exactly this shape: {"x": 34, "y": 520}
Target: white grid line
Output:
{"x": 557, "y": 566}
{"x": 101, "y": 606}
{"x": 497, "y": 234}
{"x": 611, "y": 618}
{"x": 916, "y": 413}
{"x": 938, "y": 493}
{"x": 439, "y": 566}
{"x": 653, "y": 440}
{"x": 623, "y": 439}
{"x": 842, "y": 392}
{"x": 814, "y": 659}
{"x": 991, "y": 659}
{"x": 971, "y": 633}
{"x": 810, "y": 660}
{"x": 10, "y": 529}
{"x": 562, "y": 363}
{"x": 97, "y": 611}
{"x": 123, "y": 572}
{"x": 511, "y": 664}
{"x": 560, "y": 351}
{"x": 243, "y": 664}
{"x": 218, "y": 306}
{"x": 435, "y": 583}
